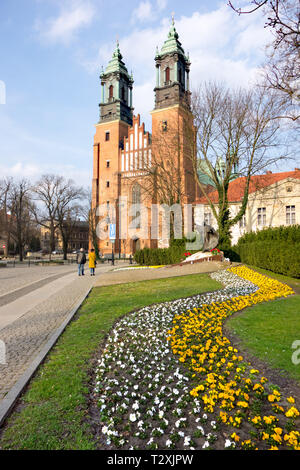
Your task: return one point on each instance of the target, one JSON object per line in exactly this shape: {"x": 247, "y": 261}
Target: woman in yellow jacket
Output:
{"x": 92, "y": 261}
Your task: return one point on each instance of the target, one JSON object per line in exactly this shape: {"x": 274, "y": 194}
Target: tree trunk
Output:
{"x": 224, "y": 226}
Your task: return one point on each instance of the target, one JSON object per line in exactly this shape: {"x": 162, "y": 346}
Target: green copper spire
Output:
{"x": 172, "y": 44}
{"x": 116, "y": 63}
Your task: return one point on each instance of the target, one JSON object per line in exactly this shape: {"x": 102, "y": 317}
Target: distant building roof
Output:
{"x": 204, "y": 172}
{"x": 237, "y": 187}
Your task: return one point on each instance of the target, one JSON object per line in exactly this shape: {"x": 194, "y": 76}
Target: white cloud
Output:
{"x": 142, "y": 12}
{"x": 147, "y": 11}
{"x": 74, "y": 15}
{"x": 32, "y": 172}
{"x": 143, "y": 99}
{"x": 21, "y": 170}
{"x": 161, "y": 4}
{"x": 30, "y": 156}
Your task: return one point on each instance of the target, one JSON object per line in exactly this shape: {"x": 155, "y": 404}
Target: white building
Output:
{"x": 274, "y": 200}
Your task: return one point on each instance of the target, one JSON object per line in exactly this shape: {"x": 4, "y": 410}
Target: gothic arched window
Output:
{"x": 136, "y": 194}
{"x": 136, "y": 199}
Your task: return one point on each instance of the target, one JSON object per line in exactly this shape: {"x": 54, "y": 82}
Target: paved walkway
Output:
{"x": 28, "y": 321}
{"x": 12, "y": 279}
{"x": 36, "y": 301}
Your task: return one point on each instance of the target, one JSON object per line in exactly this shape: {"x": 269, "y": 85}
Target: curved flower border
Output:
{"x": 169, "y": 378}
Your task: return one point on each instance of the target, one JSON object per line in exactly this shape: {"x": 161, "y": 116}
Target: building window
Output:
{"x": 107, "y": 163}
{"x": 107, "y": 184}
{"x": 136, "y": 194}
{"x": 167, "y": 75}
{"x": 242, "y": 221}
{"x": 111, "y": 92}
{"x": 165, "y": 126}
{"x": 290, "y": 215}
{"x": 107, "y": 136}
{"x": 136, "y": 199}
{"x": 261, "y": 216}
{"x": 123, "y": 93}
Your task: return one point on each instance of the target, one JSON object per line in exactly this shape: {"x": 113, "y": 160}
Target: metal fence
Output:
{"x": 31, "y": 262}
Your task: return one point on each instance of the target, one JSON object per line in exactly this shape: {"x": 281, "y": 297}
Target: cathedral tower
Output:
{"x": 116, "y": 83}
{"x": 172, "y": 73}
{"x": 172, "y": 120}
{"x": 116, "y": 117}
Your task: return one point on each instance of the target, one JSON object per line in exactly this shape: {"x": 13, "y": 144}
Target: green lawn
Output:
{"x": 268, "y": 331}
{"x": 53, "y": 409}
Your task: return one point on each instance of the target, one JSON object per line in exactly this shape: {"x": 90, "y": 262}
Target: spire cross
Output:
{"x": 173, "y": 18}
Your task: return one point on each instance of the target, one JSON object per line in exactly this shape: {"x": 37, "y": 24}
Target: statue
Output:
{"x": 211, "y": 238}
{"x": 208, "y": 239}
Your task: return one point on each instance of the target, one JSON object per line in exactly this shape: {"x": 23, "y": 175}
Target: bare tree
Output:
{"x": 165, "y": 175}
{"x": 58, "y": 197}
{"x": 5, "y": 218}
{"x": 46, "y": 191}
{"x": 89, "y": 213}
{"x": 282, "y": 71}
{"x": 20, "y": 206}
{"x": 67, "y": 219}
{"x": 233, "y": 129}
{"x": 68, "y": 209}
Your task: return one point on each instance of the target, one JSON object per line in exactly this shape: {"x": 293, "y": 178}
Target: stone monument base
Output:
{"x": 203, "y": 256}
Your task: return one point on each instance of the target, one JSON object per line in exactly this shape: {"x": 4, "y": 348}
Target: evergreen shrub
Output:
{"x": 276, "y": 249}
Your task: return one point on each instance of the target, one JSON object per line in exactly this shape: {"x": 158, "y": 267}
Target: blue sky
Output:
{"x": 51, "y": 53}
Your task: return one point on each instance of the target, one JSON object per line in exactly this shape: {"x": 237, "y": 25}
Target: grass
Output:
{"x": 268, "y": 330}
{"x": 53, "y": 409}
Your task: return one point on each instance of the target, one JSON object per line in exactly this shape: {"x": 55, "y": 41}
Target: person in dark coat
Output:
{"x": 81, "y": 260}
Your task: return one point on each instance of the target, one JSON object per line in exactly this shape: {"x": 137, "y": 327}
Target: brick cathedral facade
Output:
{"x": 130, "y": 163}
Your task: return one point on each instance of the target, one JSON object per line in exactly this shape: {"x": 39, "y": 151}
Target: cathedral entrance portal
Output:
{"x": 136, "y": 245}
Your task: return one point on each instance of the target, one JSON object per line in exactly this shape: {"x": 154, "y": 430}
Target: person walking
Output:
{"x": 92, "y": 262}
{"x": 81, "y": 260}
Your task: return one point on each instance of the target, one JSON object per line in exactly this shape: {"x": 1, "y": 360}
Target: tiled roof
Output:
{"x": 257, "y": 182}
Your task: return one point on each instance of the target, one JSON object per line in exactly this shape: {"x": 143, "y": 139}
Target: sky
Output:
{"x": 52, "y": 51}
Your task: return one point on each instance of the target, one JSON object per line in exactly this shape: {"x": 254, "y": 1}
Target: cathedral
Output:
{"x": 135, "y": 168}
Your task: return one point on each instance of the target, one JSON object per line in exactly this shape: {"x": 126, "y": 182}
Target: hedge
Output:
{"x": 275, "y": 249}
{"x": 159, "y": 256}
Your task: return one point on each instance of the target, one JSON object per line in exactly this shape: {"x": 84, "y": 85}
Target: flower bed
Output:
{"x": 169, "y": 378}
{"x": 126, "y": 268}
